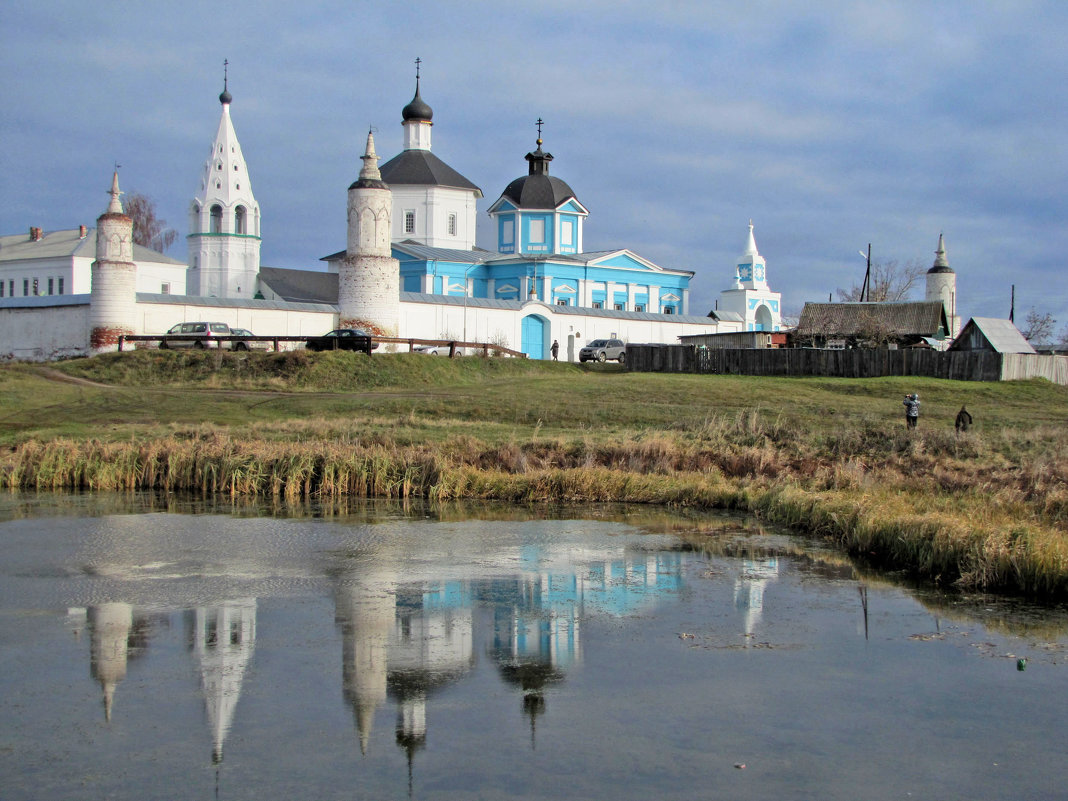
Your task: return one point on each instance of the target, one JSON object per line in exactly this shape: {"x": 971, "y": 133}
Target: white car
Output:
{"x": 436, "y": 350}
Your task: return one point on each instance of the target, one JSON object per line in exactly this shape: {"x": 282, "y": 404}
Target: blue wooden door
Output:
{"x": 533, "y": 337}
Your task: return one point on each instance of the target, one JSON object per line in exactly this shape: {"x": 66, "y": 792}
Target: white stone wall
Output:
{"x": 43, "y": 334}
{"x": 505, "y": 327}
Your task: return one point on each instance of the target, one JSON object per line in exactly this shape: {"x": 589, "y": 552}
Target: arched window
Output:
{"x": 239, "y": 220}
{"x": 216, "y": 219}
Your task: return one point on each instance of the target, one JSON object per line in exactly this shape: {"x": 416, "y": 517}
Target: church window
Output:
{"x": 598, "y": 305}
{"x": 218, "y": 165}
{"x": 537, "y": 230}
{"x": 235, "y": 168}
{"x": 239, "y": 220}
{"x": 60, "y": 279}
{"x": 561, "y": 302}
{"x": 216, "y": 219}
{"x": 639, "y": 307}
{"x": 619, "y": 307}
{"x": 452, "y": 225}
{"x": 1, "y": 289}
{"x": 165, "y": 289}
{"x": 507, "y": 232}
{"x": 51, "y": 286}
{"x": 669, "y": 310}
{"x": 409, "y": 221}
{"x": 25, "y": 287}
{"x": 566, "y": 231}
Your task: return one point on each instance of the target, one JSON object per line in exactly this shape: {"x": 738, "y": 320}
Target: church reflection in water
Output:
{"x": 406, "y": 636}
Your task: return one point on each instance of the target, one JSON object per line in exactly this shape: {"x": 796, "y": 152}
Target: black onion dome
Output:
{"x": 417, "y": 109}
{"x": 538, "y": 191}
{"x": 225, "y": 97}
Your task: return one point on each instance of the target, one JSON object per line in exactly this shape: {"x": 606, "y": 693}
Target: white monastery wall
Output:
{"x": 37, "y": 334}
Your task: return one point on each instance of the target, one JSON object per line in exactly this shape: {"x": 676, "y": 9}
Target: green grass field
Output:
{"x": 831, "y": 457}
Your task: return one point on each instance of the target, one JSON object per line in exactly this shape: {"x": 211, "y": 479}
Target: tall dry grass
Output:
{"x": 987, "y": 512}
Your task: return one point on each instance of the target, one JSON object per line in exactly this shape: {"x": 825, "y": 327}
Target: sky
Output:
{"x": 831, "y": 125}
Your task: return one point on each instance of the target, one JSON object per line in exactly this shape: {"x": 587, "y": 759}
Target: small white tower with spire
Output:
{"x": 942, "y": 285}
{"x": 224, "y": 220}
{"x": 113, "y": 298}
{"x": 434, "y": 205}
{"x": 749, "y": 295}
{"x": 368, "y": 282}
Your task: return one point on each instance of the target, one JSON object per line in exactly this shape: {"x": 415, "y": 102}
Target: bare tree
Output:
{"x": 889, "y": 281}
{"x": 1062, "y": 339}
{"x": 148, "y": 230}
{"x": 1038, "y": 327}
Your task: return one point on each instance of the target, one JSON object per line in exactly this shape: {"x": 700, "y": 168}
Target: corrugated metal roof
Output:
{"x": 908, "y": 318}
{"x": 1002, "y": 335}
{"x": 43, "y": 301}
{"x": 301, "y": 286}
{"x": 232, "y": 303}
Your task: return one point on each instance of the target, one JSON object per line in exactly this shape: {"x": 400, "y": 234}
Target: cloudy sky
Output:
{"x": 830, "y": 124}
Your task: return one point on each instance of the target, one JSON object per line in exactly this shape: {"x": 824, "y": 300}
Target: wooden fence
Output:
{"x": 957, "y": 365}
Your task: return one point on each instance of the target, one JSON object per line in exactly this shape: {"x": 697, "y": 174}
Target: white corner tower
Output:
{"x": 368, "y": 283}
{"x": 942, "y": 285}
{"x": 749, "y": 296}
{"x": 113, "y": 298}
{"x": 224, "y": 220}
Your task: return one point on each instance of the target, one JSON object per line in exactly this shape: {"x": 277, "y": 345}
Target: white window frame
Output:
{"x": 537, "y": 231}
{"x": 452, "y": 224}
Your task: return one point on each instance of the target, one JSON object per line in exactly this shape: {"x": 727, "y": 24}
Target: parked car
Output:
{"x": 195, "y": 335}
{"x": 604, "y": 349}
{"x": 343, "y": 339}
{"x": 252, "y": 344}
{"x": 436, "y": 350}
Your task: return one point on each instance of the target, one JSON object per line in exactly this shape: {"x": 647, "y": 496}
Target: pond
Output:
{"x": 163, "y": 649}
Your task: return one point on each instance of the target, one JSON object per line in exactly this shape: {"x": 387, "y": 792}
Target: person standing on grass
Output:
{"x": 964, "y": 419}
{"x": 555, "y": 349}
{"x": 912, "y": 410}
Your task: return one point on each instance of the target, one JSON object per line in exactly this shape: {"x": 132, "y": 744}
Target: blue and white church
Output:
{"x": 411, "y": 268}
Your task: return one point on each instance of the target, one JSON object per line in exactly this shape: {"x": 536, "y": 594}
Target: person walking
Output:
{"x": 964, "y": 419}
{"x": 555, "y": 350}
{"x": 912, "y": 410}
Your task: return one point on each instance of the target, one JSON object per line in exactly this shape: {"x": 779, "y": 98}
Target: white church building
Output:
{"x": 411, "y": 267}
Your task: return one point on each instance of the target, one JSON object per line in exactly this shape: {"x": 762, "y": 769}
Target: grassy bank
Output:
{"x": 988, "y": 509}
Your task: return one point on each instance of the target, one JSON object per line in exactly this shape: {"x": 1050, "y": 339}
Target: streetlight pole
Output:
{"x": 466, "y": 292}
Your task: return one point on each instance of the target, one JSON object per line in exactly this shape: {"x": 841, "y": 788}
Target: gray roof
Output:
{"x": 580, "y": 311}
{"x": 539, "y": 191}
{"x": 1001, "y": 336}
{"x": 423, "y": 168}
{"x": 230, "y": 303}
{"x": 902, "y": 319}
{"x": 67, "y": 243}
{"x": 300, "y": 286}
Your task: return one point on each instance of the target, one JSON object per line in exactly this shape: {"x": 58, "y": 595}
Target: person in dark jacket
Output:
{"x": 964, "y": 419}
{"x": 912, "y": 410}
{"x": 555, "y": 349}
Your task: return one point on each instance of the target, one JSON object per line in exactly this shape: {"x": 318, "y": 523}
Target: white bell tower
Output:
{"x": 749, "y": 296}
{"x": 224, "y": 220}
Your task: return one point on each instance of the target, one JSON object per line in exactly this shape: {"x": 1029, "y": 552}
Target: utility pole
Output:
{"x": 865, "y": 291}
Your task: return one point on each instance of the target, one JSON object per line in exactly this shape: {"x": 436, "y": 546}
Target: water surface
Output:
{"x": 490, "y": 652}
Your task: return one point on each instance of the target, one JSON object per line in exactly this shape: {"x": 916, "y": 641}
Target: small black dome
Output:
{"x": 417, "y": 109}
{"x": 538, "y": 191}
{"x": 225, "y": 97}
